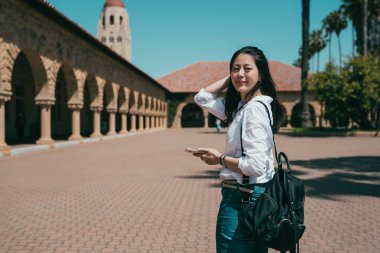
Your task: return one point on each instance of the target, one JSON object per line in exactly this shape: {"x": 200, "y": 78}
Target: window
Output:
{"x": 104, "y": 39}
{"x": 104, "y": 20}
{"x": 121, "y": 20}
{"x": 111, "y": 20}
{"x": 119, "y": 39}
{"x": 111, "y": 39}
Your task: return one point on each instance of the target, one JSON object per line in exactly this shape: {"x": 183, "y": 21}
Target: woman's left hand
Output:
{"x": 208, "y": 155}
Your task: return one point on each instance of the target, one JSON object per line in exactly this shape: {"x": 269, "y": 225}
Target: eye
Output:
{"x": 235, "y": 69}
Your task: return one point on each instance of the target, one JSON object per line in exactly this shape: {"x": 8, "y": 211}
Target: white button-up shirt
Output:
{"x": 257, "y": 136}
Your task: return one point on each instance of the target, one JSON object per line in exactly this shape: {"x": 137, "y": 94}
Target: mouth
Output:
{"x": 242, "y": 83}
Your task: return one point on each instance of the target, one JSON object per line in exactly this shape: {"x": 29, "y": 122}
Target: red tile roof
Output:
{"x": 114, "y": 3}
{"x": 199, "y": 75}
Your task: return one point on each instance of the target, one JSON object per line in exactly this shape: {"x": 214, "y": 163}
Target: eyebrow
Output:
{"x": 247, "y": 64}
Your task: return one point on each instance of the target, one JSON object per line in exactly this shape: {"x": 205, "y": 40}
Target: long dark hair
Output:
{"x": 266, "y": 86}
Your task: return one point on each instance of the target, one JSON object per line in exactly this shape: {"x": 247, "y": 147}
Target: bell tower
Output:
{"x": 113, "y": 28}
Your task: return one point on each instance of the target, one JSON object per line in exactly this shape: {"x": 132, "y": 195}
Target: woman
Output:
{"x": 249, "y": 141}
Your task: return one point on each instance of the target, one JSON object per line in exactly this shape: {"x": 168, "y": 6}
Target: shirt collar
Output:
{"x": 263, "y": 98}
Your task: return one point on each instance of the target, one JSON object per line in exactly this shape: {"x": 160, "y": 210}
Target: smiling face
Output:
{"x": 244, "y": 74}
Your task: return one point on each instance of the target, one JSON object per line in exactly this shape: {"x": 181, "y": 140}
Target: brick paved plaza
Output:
{"x": 144, "y": 194}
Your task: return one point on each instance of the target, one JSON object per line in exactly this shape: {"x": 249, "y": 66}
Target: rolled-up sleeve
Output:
{"x": 257, "y": 143}
{"x": 212, "y": 103}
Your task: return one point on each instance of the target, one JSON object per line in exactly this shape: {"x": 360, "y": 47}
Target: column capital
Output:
{"x": 5, "y": 96}
{"x": 96, "y": 108}
{"x": 75, "y": 106}
{"x": 45, "y": 102}
{"x": 114, "y": 110}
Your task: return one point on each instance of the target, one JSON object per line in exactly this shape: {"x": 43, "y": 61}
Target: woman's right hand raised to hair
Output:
{"x": 218, "y": 87}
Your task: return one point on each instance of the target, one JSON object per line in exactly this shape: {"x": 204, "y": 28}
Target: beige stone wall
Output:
{"x": 177, "y": 120}
{"x": 287, "y": 99}
{"x": 290, "y": 99}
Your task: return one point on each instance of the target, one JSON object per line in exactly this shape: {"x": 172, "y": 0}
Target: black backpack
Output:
{"x": 277, "y": 216}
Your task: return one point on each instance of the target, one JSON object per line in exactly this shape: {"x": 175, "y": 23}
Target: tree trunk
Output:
{"x": 305, "y": 115}
{"x": 365, "y": 19}
{"x": 317, "y": 62}
{"x": 340, "y": 52}
{"x": 378, "y": 121}
{"x": 330, "y": 48}
{"x": 353, "y": 39}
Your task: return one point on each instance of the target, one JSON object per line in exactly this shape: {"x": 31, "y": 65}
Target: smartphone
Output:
{"x": 190, "y": 150}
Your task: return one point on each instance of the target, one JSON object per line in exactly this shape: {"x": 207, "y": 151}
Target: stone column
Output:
{"x": 123, "y": 129}
{"x": 166, "y": 115}
{"x": 96, "y": 111}
{"x": 151, "y": 123}
{"x": 162, "y": 122}
{"x": 4, "y": 148}
{"x": 147, "y": 127}
{"x": 206, "y": 120}
{"x": 154, "y": 112}
{"x": 45, "y": 138}
{"x": 75, "y": 122}
{"x": 156, "y": 122}
{"x": 140, "y": 118}
{"x": 112, "y": 123}
{"x": 133, "y": 122}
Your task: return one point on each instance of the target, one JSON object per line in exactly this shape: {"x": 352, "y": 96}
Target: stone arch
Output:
{"x": 90, "y": 100}
{"x": 192, "y": 116}
{"x": 132, "y": 108}
{"x": 74, "y": 81}
{"x": 295, "y": 119}
{"x": 8, "y": 55}
{"x": 122, "y": 105}
{"x": 28, "y": 82}
{"x": 66, "y": 92}
{"x": 108, "y": 103}
{"x": 286, "y": 117}
{"x": 40, "y": 75}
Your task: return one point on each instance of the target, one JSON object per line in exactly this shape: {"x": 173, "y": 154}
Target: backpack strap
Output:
{"x": 246, "y": 178}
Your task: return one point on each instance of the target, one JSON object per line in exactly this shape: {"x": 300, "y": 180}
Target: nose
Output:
{"x": 241, "y": 72}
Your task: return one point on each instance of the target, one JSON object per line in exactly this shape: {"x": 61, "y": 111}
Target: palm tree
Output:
{"x": 335, "y": 22}
{"x": 327, "y": 28}
{"x": 355, "y": 10}
{"x": 317, "y": 43}
{"x": 305, "y": 115}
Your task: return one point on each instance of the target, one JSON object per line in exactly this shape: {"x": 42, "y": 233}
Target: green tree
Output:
{"x": 335, "y": 22}
{"x": 354, "y": 10}
{"x": 351, "y": 94}
{"x": 361, "y": 76}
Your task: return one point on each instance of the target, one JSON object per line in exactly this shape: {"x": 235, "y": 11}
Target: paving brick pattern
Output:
{"x": 144, "y": 194}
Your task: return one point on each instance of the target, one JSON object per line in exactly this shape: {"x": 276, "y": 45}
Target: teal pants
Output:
{"x": 229, "y": 238}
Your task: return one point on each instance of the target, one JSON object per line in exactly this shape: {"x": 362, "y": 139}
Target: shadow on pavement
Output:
{"x": 209, "y": 132}
{"x": 353, "y": 163}
{"x": 352, "y": 177}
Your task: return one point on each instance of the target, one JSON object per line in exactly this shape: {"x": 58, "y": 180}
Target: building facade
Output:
{"x": 184, "y": 83}
{"x": 58, "y": 82}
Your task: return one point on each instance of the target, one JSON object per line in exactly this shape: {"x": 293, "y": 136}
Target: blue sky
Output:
{"x": 170, "y": 34}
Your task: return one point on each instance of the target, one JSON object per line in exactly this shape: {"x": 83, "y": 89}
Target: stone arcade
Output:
{"x": 58, "y": 82}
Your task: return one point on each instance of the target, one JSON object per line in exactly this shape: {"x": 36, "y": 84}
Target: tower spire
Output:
{"x": 114, "y": 3}
{"x": 114, "y": 29}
